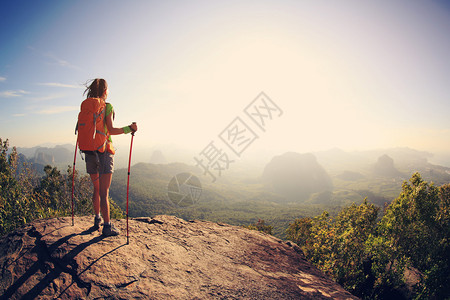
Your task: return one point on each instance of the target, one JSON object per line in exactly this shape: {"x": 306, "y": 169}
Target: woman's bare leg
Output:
{"x": 105, "y": 183}
{"x": 96, "y": 194}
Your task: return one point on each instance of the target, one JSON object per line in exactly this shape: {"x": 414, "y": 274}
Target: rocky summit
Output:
{"x": 166, "y": 258}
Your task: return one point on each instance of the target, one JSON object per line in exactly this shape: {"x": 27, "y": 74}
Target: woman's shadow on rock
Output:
{"x": 53, "y": 266}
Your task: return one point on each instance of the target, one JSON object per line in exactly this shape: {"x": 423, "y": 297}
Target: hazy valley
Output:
{"x": 278, "y": 190}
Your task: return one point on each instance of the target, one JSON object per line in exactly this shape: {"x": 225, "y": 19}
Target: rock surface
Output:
{"x": 166, "y": 258}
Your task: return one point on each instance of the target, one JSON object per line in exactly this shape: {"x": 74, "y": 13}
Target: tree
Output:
{"x": 337, "y": 246}
{"x": 372, "y": 259}
{"x": 25, "y": 197}
{"x": 16, "y": 209}
{"x": 260, "y": 226}
{"x": 300, "y": 232}
{"x": 414, "y": 234}
{"x": 438, "y": 277}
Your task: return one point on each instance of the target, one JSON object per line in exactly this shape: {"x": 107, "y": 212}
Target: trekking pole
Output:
{"x": 73, "y": 177}
{"x": 128, "y": 180}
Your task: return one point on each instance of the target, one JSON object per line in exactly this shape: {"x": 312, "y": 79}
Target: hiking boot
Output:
{"x": 97, "y": 221}
{"x": 110, "y": 230}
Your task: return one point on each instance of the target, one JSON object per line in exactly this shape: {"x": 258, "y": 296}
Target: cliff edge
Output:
{"x": 167, "y": 258}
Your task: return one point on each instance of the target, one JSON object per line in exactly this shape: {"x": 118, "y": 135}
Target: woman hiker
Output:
{"x": 100, "y": 164}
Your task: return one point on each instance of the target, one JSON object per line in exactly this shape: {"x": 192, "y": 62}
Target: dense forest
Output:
{"x": 405, "y": 254}
{"x": 382, "y": 249}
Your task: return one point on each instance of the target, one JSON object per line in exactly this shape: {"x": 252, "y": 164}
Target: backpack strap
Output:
{"x": 96, "y": 116}
{"x": 102, "y": 146}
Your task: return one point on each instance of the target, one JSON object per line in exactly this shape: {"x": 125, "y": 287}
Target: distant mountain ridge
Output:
{"x": 334, "y": 158}
{"x": 334, "y": 161}
{"x": 60, "y": 152}
{"x": 400, "y": 155}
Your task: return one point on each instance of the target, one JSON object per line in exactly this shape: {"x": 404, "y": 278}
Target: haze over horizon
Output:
{"x": 352, "y": 75}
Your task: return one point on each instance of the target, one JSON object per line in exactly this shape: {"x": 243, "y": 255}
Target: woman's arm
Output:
{"x": 115, "y": 131}
{"x": 111, "y": 129}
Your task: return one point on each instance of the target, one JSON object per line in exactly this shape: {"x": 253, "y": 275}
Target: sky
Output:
{"x": 354, "y": 75}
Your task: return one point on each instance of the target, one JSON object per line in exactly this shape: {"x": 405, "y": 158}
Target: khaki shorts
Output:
{"x": 99, "y": 163}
